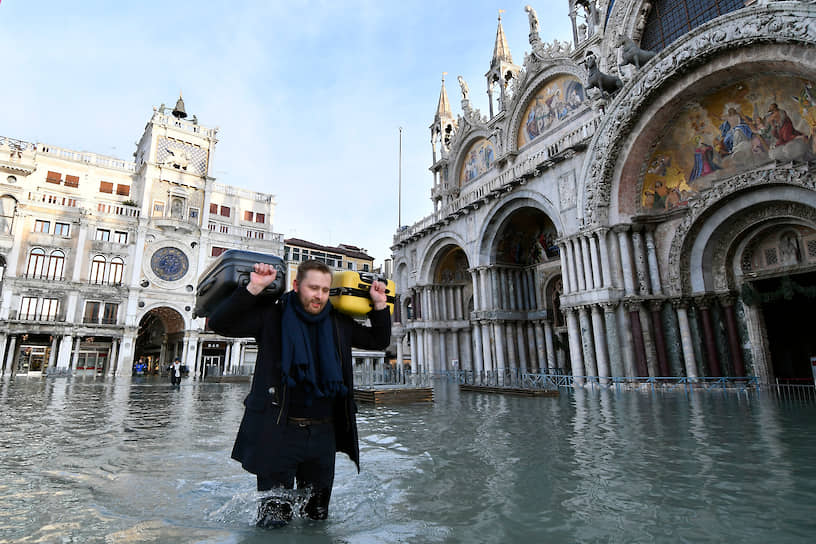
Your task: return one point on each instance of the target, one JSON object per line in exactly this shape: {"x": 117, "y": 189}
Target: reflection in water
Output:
{"x": 117, "y": 461}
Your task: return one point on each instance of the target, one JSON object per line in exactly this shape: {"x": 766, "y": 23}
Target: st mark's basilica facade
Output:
{"x": 638, "y": 201}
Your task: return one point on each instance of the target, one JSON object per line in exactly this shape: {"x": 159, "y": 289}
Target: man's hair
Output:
{"x": 311, "y": 264}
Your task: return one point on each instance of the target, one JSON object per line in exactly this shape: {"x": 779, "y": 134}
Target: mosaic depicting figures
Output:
{"x": 552, "y": 104}
{"x": 478, "y": 160}
{"x": 453, "y": 268}
{"x": 736, "y": 129}
{"x": 527, "y": 238}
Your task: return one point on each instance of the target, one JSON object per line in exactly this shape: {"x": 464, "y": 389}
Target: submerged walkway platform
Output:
{"x": 515, "y": 391}
{"x": 392, "y": 394}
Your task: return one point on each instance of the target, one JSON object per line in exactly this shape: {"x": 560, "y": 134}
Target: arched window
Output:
{"x": 670, "y": 19}
{"x": 117, "y": 267}
{"x": 8, "y": 205}
{"x": 97, "y": 269}
{"x": 56, "y": 264}
{"x": 36, "y": 261}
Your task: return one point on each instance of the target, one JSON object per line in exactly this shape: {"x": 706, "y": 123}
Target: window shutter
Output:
{"x": 123, "y": 190}
{"x": 106, "y": 187}
{"x": 53, "y": 177}
{"x": 71, "y": 181}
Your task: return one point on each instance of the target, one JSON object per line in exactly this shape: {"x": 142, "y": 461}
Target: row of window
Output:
{"x": 47, "y": 309}
{"x": 64, "y": 229}
{"x": 335, "y": 261}
{"x": 52, "y": 267}
{"x": 60, "y": 229}
{"x": 225, "y": 211}
{"x": 73, "y": 181}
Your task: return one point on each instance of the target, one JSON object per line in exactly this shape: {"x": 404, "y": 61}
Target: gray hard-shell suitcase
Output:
{"x": 230, "y": 270}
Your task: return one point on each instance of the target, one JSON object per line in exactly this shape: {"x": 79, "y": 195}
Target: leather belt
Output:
{"x": 308, "y": 421}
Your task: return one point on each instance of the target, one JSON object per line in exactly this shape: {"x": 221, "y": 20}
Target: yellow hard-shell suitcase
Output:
{"x": 349, "y": 292}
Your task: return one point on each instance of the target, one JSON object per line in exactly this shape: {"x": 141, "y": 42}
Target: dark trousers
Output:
{"x": 174, "y": 380}
{"x": 306, "y": 457}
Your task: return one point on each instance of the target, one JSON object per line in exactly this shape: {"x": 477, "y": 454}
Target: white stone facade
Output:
{"x": 100, "y": 256}
{"x": 575, "y": 231}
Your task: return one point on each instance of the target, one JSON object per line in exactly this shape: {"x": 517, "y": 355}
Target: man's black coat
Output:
{"x": 245, "y": 315}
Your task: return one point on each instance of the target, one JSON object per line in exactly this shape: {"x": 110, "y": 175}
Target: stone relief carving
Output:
{"x": 743, "y": 27}
{"x": 566, "y": 191}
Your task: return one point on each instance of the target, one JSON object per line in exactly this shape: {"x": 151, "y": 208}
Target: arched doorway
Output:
{"x": 524, "y": 295}
{"x": 779, "y": 266}
{"x": 446, "y": 310}
{"x": 159, "y": 339}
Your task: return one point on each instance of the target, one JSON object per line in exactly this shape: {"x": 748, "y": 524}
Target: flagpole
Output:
{"x": 399, "y": 189}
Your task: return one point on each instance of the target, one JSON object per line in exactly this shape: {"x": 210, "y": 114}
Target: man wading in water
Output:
{"x": 300, "y": 410}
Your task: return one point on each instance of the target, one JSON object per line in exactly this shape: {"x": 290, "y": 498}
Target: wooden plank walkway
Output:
{"x": 515, "y": 391}
{"x": 393, "y": 394}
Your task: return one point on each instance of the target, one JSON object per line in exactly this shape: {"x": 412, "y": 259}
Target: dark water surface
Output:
{"x": 120, "y": 462}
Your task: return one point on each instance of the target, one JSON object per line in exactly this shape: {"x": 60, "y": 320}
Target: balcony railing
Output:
{"x": 96, "y": 281}
{"x": 94, "y": 320}
{"x": 40, "y": 276}
{"x": 40, "y": 317}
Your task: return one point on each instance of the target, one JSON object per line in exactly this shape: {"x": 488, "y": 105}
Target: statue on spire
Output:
{"x": 464, "y": 86}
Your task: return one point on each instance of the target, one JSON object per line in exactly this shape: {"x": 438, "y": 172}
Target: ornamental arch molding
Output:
{"x": 502, "y": 210}
{"x": 433, "y": 252}
{"x": 706, "y": 240}
{"x": 461, "y": 155}
{"x": 768, "y": 37}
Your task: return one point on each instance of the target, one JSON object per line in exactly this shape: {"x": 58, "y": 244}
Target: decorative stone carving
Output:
{"x": 465, "y": 89}
{"x": 607, "y": 84}
{"x": 632, "y": 54}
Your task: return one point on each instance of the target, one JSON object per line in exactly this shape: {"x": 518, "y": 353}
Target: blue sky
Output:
{"x": 308, "y": 96}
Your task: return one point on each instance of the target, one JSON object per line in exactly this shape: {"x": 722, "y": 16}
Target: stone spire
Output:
{"x": 502, "y": 71}
{"x": 444, "y": 123}
{"x": 501, "y": 51}
{"x": 443, "y": 109}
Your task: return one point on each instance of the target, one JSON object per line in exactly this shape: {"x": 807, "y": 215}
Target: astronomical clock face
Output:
{"x": 169, "y": 263}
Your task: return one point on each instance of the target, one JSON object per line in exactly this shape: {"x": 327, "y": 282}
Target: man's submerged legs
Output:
{"x": 273, "y": 513}
{"x": 317, "y": 507}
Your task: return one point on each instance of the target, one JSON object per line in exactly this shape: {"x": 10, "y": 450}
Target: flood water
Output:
{"x": 120, "y": 461}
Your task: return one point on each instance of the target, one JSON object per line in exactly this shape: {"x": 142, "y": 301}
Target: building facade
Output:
{"x": 100, "y": 256}
{"x": 637, "y": 202}
{"x": 342, "y": 257}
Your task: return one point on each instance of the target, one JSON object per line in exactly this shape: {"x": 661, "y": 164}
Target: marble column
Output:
{"x": 627, "y": 341}
{"x": 441, "y": 341}
{"x": 613, "y": 345}
{"x": 651, "y": 255}
{"x": 412, "y": 338}
{"x": 485, "y": 295}
{"x": 703, "y": 304}
{"x": 199, "y": 364}
{"x": 655, "y": 307}
{"x": 75, "y": 358}
{"x": 648, "y": 342}
{"x": 52, "y": 353}
{"x": 499, "y": 339}
{"x": 534, "y": 348}
{"x": 477, "y": 295}
{"x": 734, "y": 343}
{"x": 640, "y": 262}
{"x": 459, "y": 304}
{"x": 511, "y": 348}
{"x": 627, "y": 263}
{"x": 599, "y": 339}
{"x": 524, "y": 364}
{"x": 398, "y": 367}
{"x": 603, "y": 250}
{"x": 681, "y": 308}
{"x": 565, "y": 265}
{"x": 588, "y": 348}
{"x": 641, "y": 369}
{"x": 578, "y": 259}
{"x": 597, "y": 280}
{"x": 587, "y": 261}
{"x": 495, "y": 300}
{"x": 574, "y": 334}
{"x": 478, "y": 351}
{"x": 487, "y": 347}
{"x": 552, "y": 360}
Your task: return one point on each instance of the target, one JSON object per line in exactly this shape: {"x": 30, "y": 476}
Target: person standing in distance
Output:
{"x": 300, "y": 410}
